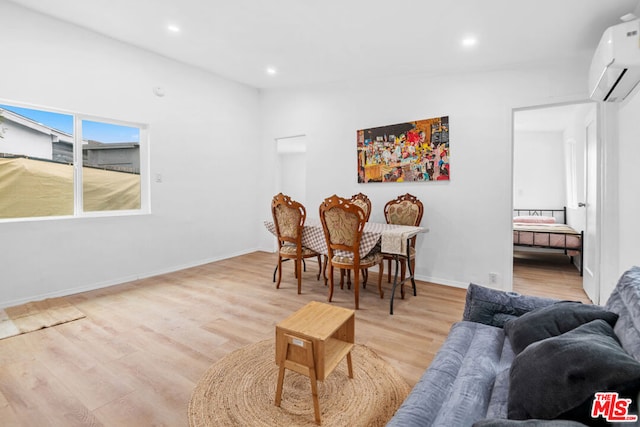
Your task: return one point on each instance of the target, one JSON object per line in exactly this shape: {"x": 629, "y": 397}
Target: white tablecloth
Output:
{"x": 395, "y": 240}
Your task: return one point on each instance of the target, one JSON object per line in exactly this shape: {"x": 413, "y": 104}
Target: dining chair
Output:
{"x": 404, "y": 210}
{"x": 363, "y": 201}
{"x": 343, "y": 222}
{"x": 288, "y": 218}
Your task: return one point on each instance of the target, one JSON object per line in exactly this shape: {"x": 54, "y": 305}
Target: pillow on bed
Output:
{"x": 552, "y": 321}
{"x": 535, "y": 219}
{"x": 558, "y": 377}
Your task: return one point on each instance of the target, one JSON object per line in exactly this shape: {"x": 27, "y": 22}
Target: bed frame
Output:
{"x": 560, "y": 216}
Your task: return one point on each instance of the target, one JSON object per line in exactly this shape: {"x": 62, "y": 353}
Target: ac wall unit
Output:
{"x": 615, "y": 67}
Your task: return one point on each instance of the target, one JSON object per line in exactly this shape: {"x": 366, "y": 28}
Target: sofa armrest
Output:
{"x": 494, "y": 307}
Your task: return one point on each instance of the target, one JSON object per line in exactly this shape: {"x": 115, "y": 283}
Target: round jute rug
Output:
{"x": 240, "y": 390}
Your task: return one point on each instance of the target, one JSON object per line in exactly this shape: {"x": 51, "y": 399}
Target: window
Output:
{"x": 110, "y": 166}
{"x": 55, "y": 164}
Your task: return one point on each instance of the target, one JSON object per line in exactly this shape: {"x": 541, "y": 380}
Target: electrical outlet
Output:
{"x": 493, "y": 277}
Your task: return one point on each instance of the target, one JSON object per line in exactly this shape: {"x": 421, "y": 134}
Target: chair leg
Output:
{"x": 279, "y": 267}
{"x": 330, "y": 282}
{"x": 319, "y": 266}
{"x": 299, "y": 270}
{"x": 380, "y": 274}
{"x": 403, "y": 274}
{"x": 356, "y": 286}
{"x": 324, "y": 270}
{"x": 343, "y": 273}
{"x": 389, "y": 273}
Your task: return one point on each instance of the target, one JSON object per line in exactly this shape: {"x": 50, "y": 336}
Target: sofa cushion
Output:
{"x": 558, "y": 377}
{"x": 494, "y": 307}
{"x": 456, "y": 388}
{"x": 552, "y": 321}
{"x": 625, "y": 301}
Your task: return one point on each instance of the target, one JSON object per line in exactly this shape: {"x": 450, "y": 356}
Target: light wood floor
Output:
{"x": 136, "y": 357}
{"x": 547, "y": 274}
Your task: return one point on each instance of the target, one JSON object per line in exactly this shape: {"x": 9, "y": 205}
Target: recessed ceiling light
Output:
{"x": 469, "y": 41}
{"x": 272, "y": 71}
{"x": 173, "y": 28}
{"x": 628, "y": 17}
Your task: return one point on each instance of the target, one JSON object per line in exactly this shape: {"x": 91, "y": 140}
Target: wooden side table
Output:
{"x": 312, "y": 341}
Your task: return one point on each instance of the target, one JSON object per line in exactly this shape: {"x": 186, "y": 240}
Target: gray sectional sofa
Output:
{"x": 564, "y": 353}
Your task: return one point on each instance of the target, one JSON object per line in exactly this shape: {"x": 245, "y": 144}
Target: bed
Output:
{"x": 547, "y": 229}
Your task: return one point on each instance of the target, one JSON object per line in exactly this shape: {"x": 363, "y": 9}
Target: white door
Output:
{"x": 591, "y": 259}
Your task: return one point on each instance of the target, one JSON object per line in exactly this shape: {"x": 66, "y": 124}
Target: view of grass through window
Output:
{"x": 38, "y": 152}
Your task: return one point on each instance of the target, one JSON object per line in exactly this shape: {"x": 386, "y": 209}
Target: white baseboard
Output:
{"x": 178, "y": 267}
{"x": 120, "y": 280}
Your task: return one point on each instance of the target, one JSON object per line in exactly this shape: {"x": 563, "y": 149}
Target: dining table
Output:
{"x": 393, "y": 239}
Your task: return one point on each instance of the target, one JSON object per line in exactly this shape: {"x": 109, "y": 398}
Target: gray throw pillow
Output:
{"x": 558, "y": 377}
{"x": 552, "y": 321}
{"x": 494, "y": 307}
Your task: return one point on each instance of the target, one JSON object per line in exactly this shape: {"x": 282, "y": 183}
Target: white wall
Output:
{"x": 538, "y": 170}
{"x": 628, "y": 208}
{"x": 202, "y": 135}
{"x": 469, "y": 217}
{"x": 620, "y": 203}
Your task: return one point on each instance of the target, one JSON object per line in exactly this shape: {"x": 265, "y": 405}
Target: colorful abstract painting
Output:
{"x": 405, "y": 152}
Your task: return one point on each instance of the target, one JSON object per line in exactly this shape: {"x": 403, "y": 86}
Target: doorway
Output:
{"x": 292, "y": 167}
{"x": 555, "y": 168}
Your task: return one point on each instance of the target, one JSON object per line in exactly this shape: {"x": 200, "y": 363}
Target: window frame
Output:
{"x": 78, "y": 205}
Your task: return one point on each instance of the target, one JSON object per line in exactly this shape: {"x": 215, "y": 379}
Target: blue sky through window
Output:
{"x": 107, "y": 132}
{"x": 91, "y": 130}
{"x": 58, "y": 121}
